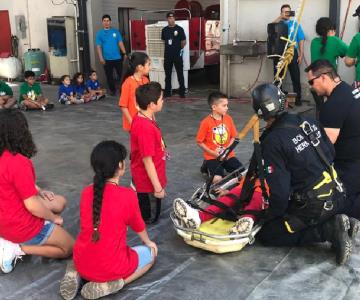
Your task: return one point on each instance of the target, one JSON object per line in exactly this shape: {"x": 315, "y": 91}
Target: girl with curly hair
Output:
{"x": 101, "y": 254}
{"x": 30, "y": 221}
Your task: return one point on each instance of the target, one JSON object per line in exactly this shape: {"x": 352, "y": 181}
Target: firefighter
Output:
{"x": 306, "y": 196}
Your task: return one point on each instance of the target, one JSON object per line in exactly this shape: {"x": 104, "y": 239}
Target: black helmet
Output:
{"x": 268, "y": 101}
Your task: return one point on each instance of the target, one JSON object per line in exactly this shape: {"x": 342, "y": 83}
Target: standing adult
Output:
{"x": 175, "y": 40}
{"x": 110, "y": 49}
{"x": 294, "y": 70}
{"x": 353, "y": 55}
{"x": 326, "y": 46}
{"x": 340, "y": 117}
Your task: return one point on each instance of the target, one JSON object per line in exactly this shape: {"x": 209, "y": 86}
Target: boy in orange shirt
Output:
{"x": 216, "y": 133}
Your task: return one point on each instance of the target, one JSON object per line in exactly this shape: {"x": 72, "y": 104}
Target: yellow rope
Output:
{"x": 289, "y": 51}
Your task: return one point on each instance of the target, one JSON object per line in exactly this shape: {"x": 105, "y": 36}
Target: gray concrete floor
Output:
{"x": 65, "y": 138}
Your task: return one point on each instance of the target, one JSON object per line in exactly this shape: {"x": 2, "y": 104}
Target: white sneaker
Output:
{"x": 187, "y": 214}
{"x": 242, "y": 226}
{"x": 9, "y": 254}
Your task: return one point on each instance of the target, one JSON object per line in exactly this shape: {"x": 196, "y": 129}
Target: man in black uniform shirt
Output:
{"x": 175, "y": 40}
{"x": 305, "y": 193}
{"x": 340, "y": 117}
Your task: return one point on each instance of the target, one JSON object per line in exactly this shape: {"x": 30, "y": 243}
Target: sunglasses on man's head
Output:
{"x": 311, "y": 81}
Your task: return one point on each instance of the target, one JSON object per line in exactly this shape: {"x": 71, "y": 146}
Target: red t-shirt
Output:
{"x": 17, "y": 183}
{"x": 146, "y": 140}
{"x": 109, "y": 258}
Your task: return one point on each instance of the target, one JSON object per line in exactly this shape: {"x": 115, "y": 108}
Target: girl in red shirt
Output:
{"x": 138, "y": 70}
{"x": 29, "y": 217}
{"x": 101, "y": 254}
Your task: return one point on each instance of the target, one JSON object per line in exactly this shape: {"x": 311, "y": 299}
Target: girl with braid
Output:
{"x": 101, "y": 254}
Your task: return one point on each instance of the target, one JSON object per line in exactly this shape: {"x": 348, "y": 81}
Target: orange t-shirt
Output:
{"x": 128, "y": 99}
{"x": 216, "y": 133}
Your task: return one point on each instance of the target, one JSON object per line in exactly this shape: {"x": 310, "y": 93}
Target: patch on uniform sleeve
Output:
{"x": 270, "y": 106}
{"x": 269, "y": 169}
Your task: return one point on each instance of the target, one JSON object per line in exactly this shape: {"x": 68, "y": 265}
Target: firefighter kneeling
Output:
{"x": 306, "y": 196}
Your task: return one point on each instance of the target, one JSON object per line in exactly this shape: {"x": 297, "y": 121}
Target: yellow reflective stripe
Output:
{"x": 327, "y": 179}
{"x": 325, "y": 195}
{"x": 288, "y": 227}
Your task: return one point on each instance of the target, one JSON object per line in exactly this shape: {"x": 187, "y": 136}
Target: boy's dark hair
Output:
{"x": 28, "y": 74}
{"x": 62, "y": 78}
{"x": 15, "y": 135}
{"x": 135, "y": 59}
{"x": 105, "y": 159}
{"x": 92, "y": 71}
{"x": 323, "y": 26}
{"x": 148, "y": 93}
{"x": 215, "y": 97}
{"x": 322, "y": 66}
{"x": 285, "y": 6}
{"x": 106, "y": 17}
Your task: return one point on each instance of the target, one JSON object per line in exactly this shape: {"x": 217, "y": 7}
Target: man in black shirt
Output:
{"x": 305, "y": 198}
{"x": 175, "y": 40}
{"x": 340, "y": 116}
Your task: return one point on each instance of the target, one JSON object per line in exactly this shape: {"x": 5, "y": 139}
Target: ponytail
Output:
{"x": 99, "y": 185}
{"x": 134, "y": 59}
{"x": 323, "y": 26}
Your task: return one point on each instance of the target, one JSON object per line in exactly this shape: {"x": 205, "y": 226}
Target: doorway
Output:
{"x": 124, "y": 21}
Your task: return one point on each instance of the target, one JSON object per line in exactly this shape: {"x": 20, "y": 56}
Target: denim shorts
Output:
{"x": 42, "y": 236}
{"x": 145, "y": 256}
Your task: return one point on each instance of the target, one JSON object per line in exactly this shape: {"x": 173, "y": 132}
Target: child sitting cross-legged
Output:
{"x": 94, "y": 87}
{"x": 66, "y": 92}
{"x": 101, "y": 254}
{"x": 31, "y": 95}
{"x": 80, "y": 91}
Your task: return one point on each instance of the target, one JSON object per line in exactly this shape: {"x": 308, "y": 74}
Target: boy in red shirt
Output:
{"x": 217, "y": 132}
{"x": 148, "y": 155}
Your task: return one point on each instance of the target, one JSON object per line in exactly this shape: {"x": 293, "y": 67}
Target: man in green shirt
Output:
{"x": 353, "y": 54}
{"x": 31, "y": 95}
{"x": 6, "y": 96}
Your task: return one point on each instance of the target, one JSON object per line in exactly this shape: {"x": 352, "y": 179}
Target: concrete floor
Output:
{"x": 65, "y": 138}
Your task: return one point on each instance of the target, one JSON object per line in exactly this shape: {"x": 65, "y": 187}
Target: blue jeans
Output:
{"x": 42, "y": 236}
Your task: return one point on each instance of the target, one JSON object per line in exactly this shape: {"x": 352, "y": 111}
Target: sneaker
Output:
{"x": 49, "y": 106}
{"x": 9, "y": 254}
{"x": 23, "y": 107}
{"x": 337, "y": 232}
{"x": 187, "y": 214}
{"x": 70, "y": 284}
{"x": 100, "y": 97}
{"x": 96, "y": 290}
{"x": 242, "y": 226}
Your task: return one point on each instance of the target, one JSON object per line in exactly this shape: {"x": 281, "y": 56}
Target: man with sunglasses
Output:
{"x": 340, "y": 116}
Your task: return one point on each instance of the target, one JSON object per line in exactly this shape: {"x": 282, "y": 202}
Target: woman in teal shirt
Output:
{"x": 326, "y": 46}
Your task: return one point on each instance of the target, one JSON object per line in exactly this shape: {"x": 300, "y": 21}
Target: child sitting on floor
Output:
{"x": 30, "y": 221}
{"x": 31, "y": 95}
{"x": 6, "y": 96}
{"x": 66, "y": 92}
{"x": 217, "y": 132}
{"x": 192, "y": 218}
{"x": 101, "y": 254}
{"x": 80, "y": 90}
{"x": 93, "y": 86}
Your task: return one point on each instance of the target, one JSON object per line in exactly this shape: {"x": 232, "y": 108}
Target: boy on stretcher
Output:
{"x": 192, "y": 218}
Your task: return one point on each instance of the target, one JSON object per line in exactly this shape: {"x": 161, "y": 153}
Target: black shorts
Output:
{"x": 229, "y": 165}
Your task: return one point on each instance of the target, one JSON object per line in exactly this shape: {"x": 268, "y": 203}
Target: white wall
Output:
{"x": 253, "y": 17}
{"x": 39, "y": 10}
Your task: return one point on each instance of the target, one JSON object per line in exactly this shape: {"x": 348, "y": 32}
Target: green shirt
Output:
{"x": 31, "y": 91}
{"x": 5, "y": 89}
{"x": 354, "y": 52}
{"x": 334, "y": 48}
